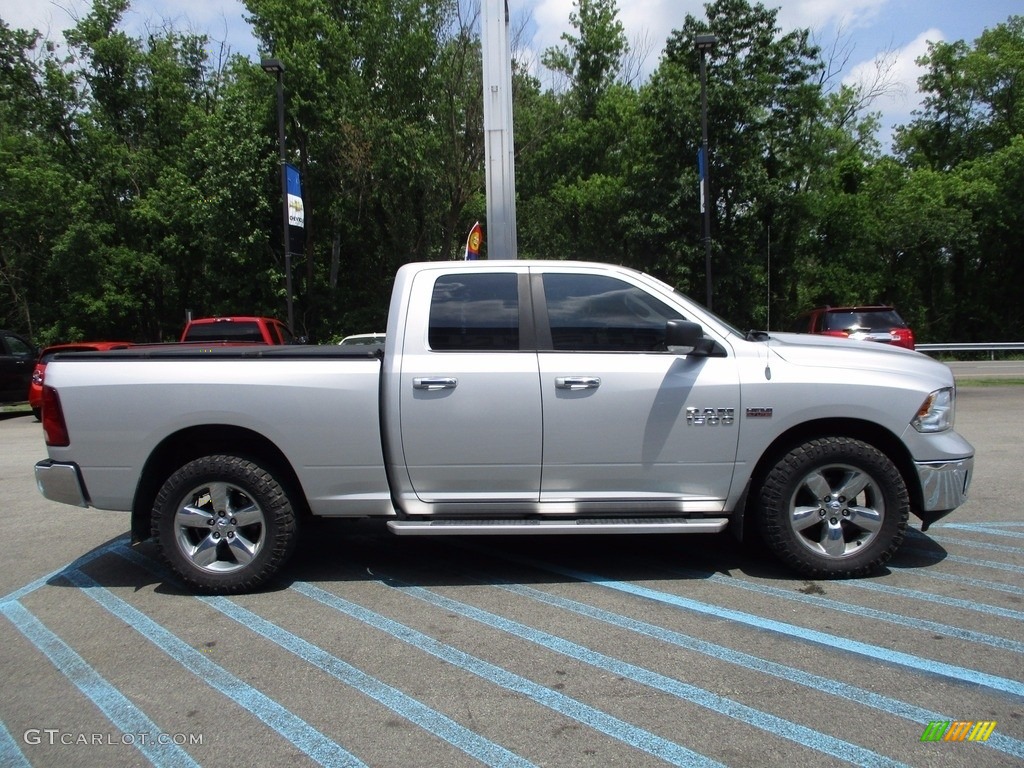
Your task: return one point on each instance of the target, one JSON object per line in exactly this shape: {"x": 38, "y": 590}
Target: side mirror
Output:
{"x": 683, "y": 337}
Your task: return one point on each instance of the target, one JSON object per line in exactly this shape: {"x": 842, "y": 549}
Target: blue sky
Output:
{"x": 894, "y": 32}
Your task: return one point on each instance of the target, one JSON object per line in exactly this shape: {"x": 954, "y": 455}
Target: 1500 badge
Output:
{"x": 711, "y": 417}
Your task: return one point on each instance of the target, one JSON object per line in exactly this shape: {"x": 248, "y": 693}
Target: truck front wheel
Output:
{"x": 224, "y": 524}
{"x": 834, "y": 508}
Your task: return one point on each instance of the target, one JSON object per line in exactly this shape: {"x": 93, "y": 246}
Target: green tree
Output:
{"x": 972, "y": 105}
{"x": 570, "y": 162}
{"x": 765, "y": 105}
{"x": 37, "y": 104}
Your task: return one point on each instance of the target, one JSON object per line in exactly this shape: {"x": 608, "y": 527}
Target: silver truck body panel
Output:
{"x": 497, "y": 433}
{"x": 322, "y": 414}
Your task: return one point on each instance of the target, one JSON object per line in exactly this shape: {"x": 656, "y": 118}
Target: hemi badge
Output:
{"x": 759, "y": 413}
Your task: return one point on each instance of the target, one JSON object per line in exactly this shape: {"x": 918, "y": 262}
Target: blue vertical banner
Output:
{"x": 296, "y": 215}
{"x": 700, "y": 174}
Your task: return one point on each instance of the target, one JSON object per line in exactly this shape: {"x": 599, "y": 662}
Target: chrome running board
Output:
{"x": 492, "y": 527}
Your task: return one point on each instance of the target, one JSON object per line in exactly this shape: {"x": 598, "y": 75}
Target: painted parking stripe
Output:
{"x": 994, "y": 529}
{"x": 955, "y": 578}
{"x": 11, "y": 755}
{"x": 832, "y": 604}
{"x": 835, "y": 642}
{"x": 473, "y": 744}
{"x": 303, "y": 736}
{"x": 125, "y": 716}
{"x": 945, "y": 557}
{"x": 1005, "y": 549}
{"x": 42, "y": 581}
{"x": 914, "y": 535}
{"x": 609, "y": 725}
{"x": 777, "y": 726}
{"x": 917, "y": 595}
{"x": 826, "y": 685}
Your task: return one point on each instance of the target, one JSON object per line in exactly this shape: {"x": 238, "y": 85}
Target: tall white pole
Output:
{"x": 498, "y": 143}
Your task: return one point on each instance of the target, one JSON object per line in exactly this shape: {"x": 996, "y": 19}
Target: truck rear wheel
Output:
{"x": 224, "y": 524}
{"x": 834, "y": 508}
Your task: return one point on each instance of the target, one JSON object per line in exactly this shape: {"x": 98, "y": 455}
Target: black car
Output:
{"x": 17, "y": 361}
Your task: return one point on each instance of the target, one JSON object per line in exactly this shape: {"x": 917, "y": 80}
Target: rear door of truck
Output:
{"x": 469, "y": 389}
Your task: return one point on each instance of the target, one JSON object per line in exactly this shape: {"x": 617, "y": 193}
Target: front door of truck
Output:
{"x": 470, "y": 398}
{"x": 628, "y": 425}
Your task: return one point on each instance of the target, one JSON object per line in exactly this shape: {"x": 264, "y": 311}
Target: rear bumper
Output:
{"x": 61, "y": 482}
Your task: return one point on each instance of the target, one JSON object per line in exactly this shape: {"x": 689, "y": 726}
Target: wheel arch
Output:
{"x": 191, "y": 443}
{"x": 858, "y": 429}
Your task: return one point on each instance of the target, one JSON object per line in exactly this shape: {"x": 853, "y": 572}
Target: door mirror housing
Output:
{"x": 684, "y": 337}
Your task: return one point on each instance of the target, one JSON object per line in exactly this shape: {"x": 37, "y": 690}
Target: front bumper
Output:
{"x": 61, "y": 482}
{"x": 944, "y": 486}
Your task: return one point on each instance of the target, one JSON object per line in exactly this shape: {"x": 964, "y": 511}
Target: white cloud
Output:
{"x": 903, "y": 72}
{"x": 219, "y": 19}
{"x": 817, "y": 14}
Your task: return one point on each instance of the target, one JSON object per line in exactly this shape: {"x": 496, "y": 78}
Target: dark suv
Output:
{"x": 17, "y": 361}
{"x": 875, "y": 323}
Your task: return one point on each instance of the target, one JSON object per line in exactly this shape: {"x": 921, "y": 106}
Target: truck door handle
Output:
{"x": 435, "y": 384}
{"x": 577, "y": 382}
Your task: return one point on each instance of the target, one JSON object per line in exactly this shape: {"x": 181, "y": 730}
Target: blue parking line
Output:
{"x": 918, "y": 595}
{"x": 777, "y": 726}
{"x": 600, "y": 721}
{"x": 995, "y": 529}
{"x": 432, "y": 721}
{"x": 945, "y": 557}
{"x": 1001, "y": 548}
{"x": 834, "y": 642}
{"x": 924, "y": 625}
{"x": 303, "y": 736}
{"x": 42, "y": 581}
{"x": 125, "y": 716}
{"x": 953, "y": 578}
{"x": 11, "y": 755}
{"x": 810, "y": 680}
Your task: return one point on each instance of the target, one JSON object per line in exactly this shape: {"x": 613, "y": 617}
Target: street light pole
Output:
{"x": 704, "y": 44}
{"x": 275, "y": 67}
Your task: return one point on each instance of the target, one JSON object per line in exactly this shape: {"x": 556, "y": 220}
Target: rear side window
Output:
{"x": 225, "y": 331}
{"x": 475, "y": 313}
{"x": 596, "y": 313}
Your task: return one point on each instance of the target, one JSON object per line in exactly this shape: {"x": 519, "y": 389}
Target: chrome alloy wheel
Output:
{"x": 836, "y": 510}
{"x": 219, "y": 528}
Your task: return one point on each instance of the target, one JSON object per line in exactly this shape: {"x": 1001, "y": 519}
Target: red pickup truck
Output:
{"x": 252, "y": 330}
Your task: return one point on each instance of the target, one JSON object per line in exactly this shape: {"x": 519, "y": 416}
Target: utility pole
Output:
{"x": 705, "y": 43}
{"x": 275, "y": 67}
{"x": 499, "y": 146}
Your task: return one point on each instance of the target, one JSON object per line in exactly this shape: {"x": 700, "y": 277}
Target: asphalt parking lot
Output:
{"x": 594, "y": 651}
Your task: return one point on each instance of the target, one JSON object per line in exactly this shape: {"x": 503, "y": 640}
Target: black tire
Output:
{"x": 834, "y": 508}
{"x": 224, "y": 524}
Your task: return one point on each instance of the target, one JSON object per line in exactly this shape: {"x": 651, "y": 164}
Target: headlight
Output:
{"x": 936, "y": 412}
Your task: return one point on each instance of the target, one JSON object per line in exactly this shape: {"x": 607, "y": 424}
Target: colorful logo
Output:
{"x": 958, "y": 730}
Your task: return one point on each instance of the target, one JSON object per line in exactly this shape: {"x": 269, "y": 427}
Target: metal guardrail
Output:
{"x": 983, "y": 346}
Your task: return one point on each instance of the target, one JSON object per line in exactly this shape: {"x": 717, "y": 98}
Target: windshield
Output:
{"x": 728, "y": 326}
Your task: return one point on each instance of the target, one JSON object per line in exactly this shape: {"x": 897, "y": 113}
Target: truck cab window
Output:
{"x": 475, "y": 313}
{"x": 596, "y": 313}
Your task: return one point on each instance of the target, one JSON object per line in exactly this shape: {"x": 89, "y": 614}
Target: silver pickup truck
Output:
{"x": 518, "y": 397}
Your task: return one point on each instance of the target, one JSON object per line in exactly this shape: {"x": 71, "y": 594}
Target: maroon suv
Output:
{"x": 874, "y": 323}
